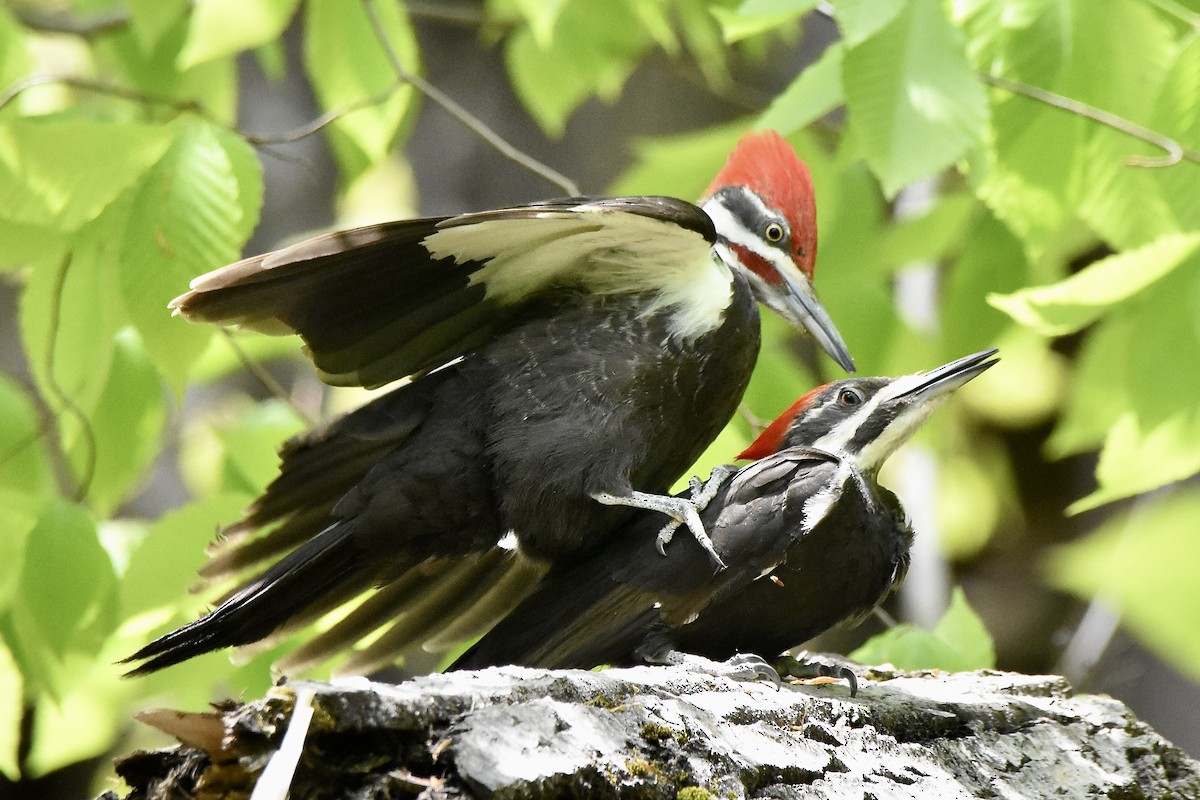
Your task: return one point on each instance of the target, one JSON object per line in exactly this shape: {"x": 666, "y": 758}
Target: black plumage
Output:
{"x": 558, "y": 351}
{"x": 809, "y": 535}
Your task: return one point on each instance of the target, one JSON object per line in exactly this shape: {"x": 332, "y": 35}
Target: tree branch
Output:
{"x": 1175, "y": 152}
{"x": 465, "y": 117}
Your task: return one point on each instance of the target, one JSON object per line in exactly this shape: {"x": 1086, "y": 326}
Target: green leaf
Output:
{"x": 128, "y": 425}
{"x": 1098, "y": 397}
{"x": 66, "y": 586}
{"x": 192, "y": 214}
{"x": 1142, "y": 563}
{"x": 220, "y": 28}
{"x": 347, "y": 66}
{"x": 1069, "y": 305}
{"x": 814, "y": 93}
{"x": 755, "y": 17}
{"x": 12, "y": 709}
{"x": 860, "y": 19}
{"x": 680, "y": 165}
{"x": 152, "y": 19}
{"x": 70, "y": 313}
{"x": 992, "y": 261}
{"x": 930, "y": 237}
{"x": 65, "y": 173}
{"x": 541, "y": 16}
{"x": 1156, "y": 438}
{"x": 595, "y": 48}
{"x": 14, "y": 53}
{"x": 252, "y": 444}
{"x": 959, "y": 642}
{"x": 1177, "y": 114}
{"x": 153, "y": 70}
{"x": 1025, "y": 40}
{"x": 24, "y": 465}
{"x": 913, "y": 100}
{"x": 165, "y": 562}
{"x": 83, "y": 722}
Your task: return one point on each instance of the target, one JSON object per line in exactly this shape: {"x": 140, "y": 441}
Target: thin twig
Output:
{"x": 266, "y": 378}
{"x": 1175, "y": 151}
{"x": 462, "y": 115}
{"x": 55, "y": 22}
{"x": 88, "y": 436}
{"x": 100, "y": 87}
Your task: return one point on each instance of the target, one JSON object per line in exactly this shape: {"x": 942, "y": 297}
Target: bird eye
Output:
{"x": 773, "y": 232}
{"x": 849, "y": 397}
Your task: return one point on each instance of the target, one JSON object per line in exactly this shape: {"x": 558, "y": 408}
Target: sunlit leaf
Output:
{"x": 80, "y": 724}
{"x": 594, "y": 50}
{"x": 66, "y": 172}
{"x": 914, "y": 101}
{"x": 12, "y": 710}
{"x": 1143, "y": 563}
{"x": 193, "y": 213}
{"x": 69, "y": 314}
{"x": 127, "y": 424}
{"x": 164, "y": 563}
{"x": 348, "y": 66}
{"x": 541, "y": 16}
{"x": 957, "y": 643}
{"x": 814, "y": 93}
{"x": 221, "y": 28}
{"x": 860, "y": 19}
{"x": 1155, "y": 439}
{"x": 991, "y": 261}
{"x": 151, "y": 19}
{"x": 680, "y": 165}
{"x": 754, "y": 17}
{"x": 1071, "y": 304}
{"x": 66, "y": 587}
{"x": 252, "y": 444}
{"x": 14, "y": 55}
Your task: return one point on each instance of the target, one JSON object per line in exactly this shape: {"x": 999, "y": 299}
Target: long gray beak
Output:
{"x": 800, "y": 306}
{"x": 945, "y": 379}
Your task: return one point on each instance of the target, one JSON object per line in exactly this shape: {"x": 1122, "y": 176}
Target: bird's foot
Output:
{"x": 743, "y": 667}
{"x": 681, "y": 510}
{"x": 809, "y": 669}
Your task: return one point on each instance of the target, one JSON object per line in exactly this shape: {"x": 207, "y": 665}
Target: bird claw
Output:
{"x": 743, "y": 667}
{"x": 681, "y": 510}
{"x": 812, "y": 671}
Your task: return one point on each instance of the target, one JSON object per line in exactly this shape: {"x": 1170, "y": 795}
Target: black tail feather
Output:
{"x": 330, "y": 563}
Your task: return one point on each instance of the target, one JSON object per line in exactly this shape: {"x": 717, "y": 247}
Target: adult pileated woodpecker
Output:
{"x": 809, "y": 536}
{"x": 562, "y": 353}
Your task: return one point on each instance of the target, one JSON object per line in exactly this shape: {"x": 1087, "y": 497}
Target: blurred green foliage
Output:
{"x": 1043, "y": 221}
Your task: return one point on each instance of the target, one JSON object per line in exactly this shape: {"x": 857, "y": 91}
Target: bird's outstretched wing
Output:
{"x": 380, "y": 302}
{"x": 606, "y": 609}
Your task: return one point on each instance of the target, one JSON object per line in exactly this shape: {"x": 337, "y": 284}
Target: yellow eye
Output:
{"x": 774, "y": 232}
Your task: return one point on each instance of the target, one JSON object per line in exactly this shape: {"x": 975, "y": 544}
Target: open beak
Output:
{"x": 799, "y": 305}
{"x": 945, "y": 379}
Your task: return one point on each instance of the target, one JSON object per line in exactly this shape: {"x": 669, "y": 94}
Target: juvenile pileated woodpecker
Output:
{"x": 809, "y": 536}
{"x": 566, "y": 357}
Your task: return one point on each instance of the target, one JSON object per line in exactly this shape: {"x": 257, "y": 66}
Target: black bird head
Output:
{"x": 864, "y": 420}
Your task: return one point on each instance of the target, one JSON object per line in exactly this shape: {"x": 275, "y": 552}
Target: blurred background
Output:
{"x": 968, "y": 197}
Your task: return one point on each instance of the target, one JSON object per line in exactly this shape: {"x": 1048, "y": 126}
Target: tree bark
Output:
{"x": 667, "y": 732}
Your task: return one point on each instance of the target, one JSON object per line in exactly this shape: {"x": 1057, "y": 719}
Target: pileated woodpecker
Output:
{"x": 566, "y": 357}
{"x": 809, "y": 536}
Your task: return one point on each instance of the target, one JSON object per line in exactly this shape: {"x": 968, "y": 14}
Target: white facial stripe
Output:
{"x": 877, "y": 451}
{"x": 733, "y": 229}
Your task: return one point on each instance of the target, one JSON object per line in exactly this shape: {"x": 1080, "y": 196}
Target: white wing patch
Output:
{"x": 603, "y": 251}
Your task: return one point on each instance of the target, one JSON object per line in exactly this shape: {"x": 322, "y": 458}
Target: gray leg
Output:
{"x": 679, "y": 509}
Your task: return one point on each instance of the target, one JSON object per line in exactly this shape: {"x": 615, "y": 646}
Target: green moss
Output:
{"x": 694, "y": 793}
{"x": 656, "y": 732}
{"x": 639, "y": 767}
